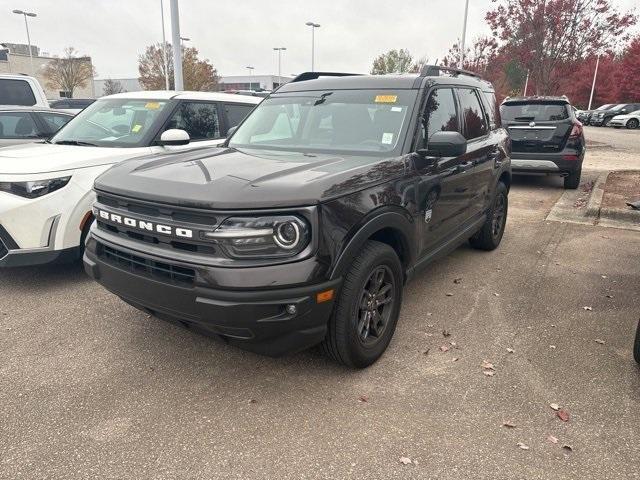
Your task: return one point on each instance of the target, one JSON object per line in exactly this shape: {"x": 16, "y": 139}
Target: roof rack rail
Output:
{"x": 315, "y": 75}
{"x": 434, "y": 71}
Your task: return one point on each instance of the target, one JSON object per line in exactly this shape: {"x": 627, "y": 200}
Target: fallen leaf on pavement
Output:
{"x": 444, "y": 348}
{"x": 567, "y": 448}
{"x": 554, "y": 406}
{"x": 489, "y": 373}
{"x": 552, "y": 439}
{"x": 553, "y": 347}
{"x": 522, "y": 446}
{"x": 588, "y": 309}
{"x": 510, "y": 350}
{"x": 449, "y": 294}
{"x": 253, "y": 400}
{"x": 457, "y": 280}
{"x": 363, "y": 398}
{"x": 488, "y": 365}
{"x": 405, "y": 460}
{"x": 509, "y": 425}
{"x": 426, "y": 352}
{"x": 609, "y": 296}
{"x": 563, "y": 415}
{"x": 455, "y": 359}
{"x": 453, "y": 344}
{"x": 446, "y": 333}
{"x": 601, "y": 342}
{"x": 496, "y": 294}
{"x": 603, "y": 276}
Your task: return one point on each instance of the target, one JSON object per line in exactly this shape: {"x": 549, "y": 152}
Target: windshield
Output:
{"x": 534, "y": 112}
{"x": 605, "y": 107}
{"x": 618, "y": 107}
{"x": 350, "y": 121}
{"x": 111, "y": 122}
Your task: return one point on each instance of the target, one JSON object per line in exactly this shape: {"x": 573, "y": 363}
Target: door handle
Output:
{"x": 463, "y": 167}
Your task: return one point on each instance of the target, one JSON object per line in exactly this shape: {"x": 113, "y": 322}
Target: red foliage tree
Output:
{"x": 547, "y": 35}
{"x": 578, "y": 78}
{"x": 627, "y": 76}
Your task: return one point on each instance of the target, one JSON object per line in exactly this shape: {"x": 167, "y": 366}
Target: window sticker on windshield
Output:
{"x": 387, "y": 138}
{"x": 152, "y": 105}
{"x": 386, "y": 98}
{"x": 396, "y": 109}
{"x": 136, "y": 128}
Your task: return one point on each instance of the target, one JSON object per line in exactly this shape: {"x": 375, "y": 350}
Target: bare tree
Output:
{"x": 69, "y": 72}
{"x": 111, "y": 87}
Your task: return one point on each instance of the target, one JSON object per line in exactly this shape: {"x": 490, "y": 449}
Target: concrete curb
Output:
{"x": 632, "y": 216}
{"x": 597, "y": 192}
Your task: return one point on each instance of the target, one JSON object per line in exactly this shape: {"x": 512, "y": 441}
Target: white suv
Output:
{"x": 46, "y": 188}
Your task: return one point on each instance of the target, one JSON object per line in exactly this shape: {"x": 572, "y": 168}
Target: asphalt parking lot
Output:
{"x": 90, "y": 387}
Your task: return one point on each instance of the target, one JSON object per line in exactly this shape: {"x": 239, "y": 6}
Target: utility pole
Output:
{"x": 593, "y": 85}
{"x": 464, "y": 34}
{"x": 164, "y": 50}
{"x": 250, "y": 76}
{"x": 177, "y": 47}
{"x": 279, "y": 50}
{"x": 313, "y": 42}
{"x": 26, "y": 24}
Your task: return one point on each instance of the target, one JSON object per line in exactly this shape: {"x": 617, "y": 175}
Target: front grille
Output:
{"x": 161, "y": 271}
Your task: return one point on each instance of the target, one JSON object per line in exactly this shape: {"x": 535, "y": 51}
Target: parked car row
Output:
{"x": 623, "y": 115}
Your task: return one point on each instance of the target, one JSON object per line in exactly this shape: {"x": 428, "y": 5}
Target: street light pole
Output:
{"x": 593, "y": 85}
{"x": 164, "y": 50}
{"x": 526, "y": 84}
{"x": 313, "y": 42}
{"x": 464, "y": 34}
{"x": 26, "y": 24}
{"x": 178, "y": 83}
{"x": 279, "y": 50}
{"x": 250, "y": 75}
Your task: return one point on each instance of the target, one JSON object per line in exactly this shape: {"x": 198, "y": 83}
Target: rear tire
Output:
{"x": 572, "y": 181}
{"x": 490, "y": 235}
{"x": 636, "y": 346}
{"x": 357, "y": 336}
{"x": 633, "y": 124}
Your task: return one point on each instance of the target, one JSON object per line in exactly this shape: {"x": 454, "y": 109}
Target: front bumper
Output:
{"x": 254, "y": 319}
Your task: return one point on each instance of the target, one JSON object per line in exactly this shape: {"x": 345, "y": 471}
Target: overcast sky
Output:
{"x": 234, "y": 34}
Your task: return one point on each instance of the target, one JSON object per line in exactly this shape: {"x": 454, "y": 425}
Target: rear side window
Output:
{"x": 492, "y": 108}
{"x": 474, "y": 120}
{"x": 236, "y": 113}
{"x": 199, "y": 120}
{"x": 534, "y": 112}
{"x": 16, "y": 92}
{"x": 17, "y": 125}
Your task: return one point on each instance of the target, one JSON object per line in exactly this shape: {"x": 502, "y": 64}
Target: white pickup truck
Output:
{"x": 21, "y": 90}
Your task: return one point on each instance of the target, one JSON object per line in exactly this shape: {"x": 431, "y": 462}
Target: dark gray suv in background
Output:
{"x": 546, "y": 137}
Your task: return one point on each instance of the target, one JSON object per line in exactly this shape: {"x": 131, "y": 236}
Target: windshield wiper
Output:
{"x": 76, "y": 142}
{"x": 524, "y": 118}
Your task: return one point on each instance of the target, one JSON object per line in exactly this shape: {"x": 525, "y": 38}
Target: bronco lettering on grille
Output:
{"x": 144, "y": 225}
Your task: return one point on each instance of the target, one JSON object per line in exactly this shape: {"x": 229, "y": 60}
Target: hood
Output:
{"x": 47, "y": 157}
{"x": 624, "y": 116}
{"x": 225, "y": 178}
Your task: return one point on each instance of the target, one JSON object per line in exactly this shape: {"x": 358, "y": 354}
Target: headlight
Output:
{"x": 268, "y": 236}
{"x": 34, "y": 189}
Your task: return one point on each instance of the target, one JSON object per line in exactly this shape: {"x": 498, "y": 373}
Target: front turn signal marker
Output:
{"x": 325, "y": 296}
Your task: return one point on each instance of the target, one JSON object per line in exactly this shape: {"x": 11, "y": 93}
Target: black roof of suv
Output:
{"x": 320, "y": 206}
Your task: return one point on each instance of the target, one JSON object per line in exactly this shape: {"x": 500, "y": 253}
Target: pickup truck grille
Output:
{"x": 161, "y": 271}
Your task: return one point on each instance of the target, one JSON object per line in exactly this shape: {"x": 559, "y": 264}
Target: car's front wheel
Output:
{"x": 367, "y": 308}
{"x": 633, "y": 123}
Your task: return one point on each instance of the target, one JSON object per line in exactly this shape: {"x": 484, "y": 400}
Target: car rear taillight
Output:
{"x": 576, "y": 131}
{"x": 570, "y": 157}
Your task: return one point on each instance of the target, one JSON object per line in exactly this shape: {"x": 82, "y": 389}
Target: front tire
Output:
{"x": 633, "y": 124}
{"x": 490, "y": 235}
{"x": 367, "y": 308}
{"x": 572, "y": 181}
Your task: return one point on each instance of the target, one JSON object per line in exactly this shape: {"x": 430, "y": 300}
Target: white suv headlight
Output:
{"x": 34, "y": 189}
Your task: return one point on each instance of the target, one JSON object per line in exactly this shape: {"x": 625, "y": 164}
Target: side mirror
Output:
{"x": 445, "y": 144}
{"x": 174, "y": 136}
{"x": 231, "y": 131}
